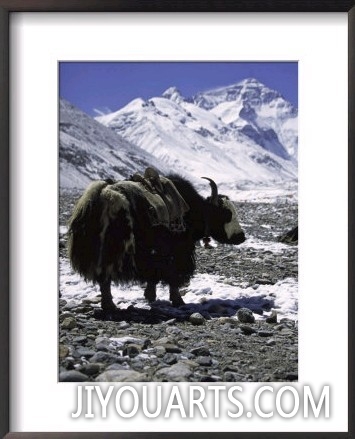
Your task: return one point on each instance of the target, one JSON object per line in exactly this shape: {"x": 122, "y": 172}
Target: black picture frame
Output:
{"x": 8, "y": 7}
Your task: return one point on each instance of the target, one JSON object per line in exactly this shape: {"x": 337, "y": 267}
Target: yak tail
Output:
{"x": 84, "y": 231}
{"x": 101, "y": 241}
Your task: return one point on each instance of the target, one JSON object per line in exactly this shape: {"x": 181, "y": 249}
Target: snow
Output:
{"x": 194, "y": 142}
{"x": 244, "y": 136}
{"x": 89, "y": 151}
{"x": 205, "y": 290}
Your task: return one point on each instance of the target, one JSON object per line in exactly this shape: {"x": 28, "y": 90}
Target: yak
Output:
{"x": 144, "y": 230}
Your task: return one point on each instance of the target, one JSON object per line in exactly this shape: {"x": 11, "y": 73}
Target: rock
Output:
{"x": 233, "y": 377}
{"x": 73, "y": 376}
{"x": 64, "y": 315}
{"x": 247, "y": 330}
{"x": 173, "y": 330}
{"x": 196, "y": 319}
{"x": 245, "y": 315}
{"x": 204, "y": 361}
{"x": 84, "y": 352}
{"x": 116, "y": 366}
{"x": 102, "y": 343}
{"x": 271, "y": 342}
{"x": 160, "y": 351}
{"x": 69, "y": 323}
{"x": 123, "y": 325}
{"x": 122, "y": 341}
{"x": 104, "y": 357}
{"x": 161, "y": 341}
{"x": 80, "y": 339}
{"x": 63, "y": 351}
{"x": 272, "y": 318}
{"x": 230, "y": 320}
{"x": 263, "y": 333}
{"x": 170, "y": 322}
{"x": 91, "y": 368}
{"x": 170, "y": 359}
{"x": 290, "y": 237}
{"x": 94, "y": 300}
{"x": 171, "y": 348}
{"x": 62, "y": 302}
{"x": 288, "y": 322}
{"x": 121, "y": 375}
{"x": 291, "y": 376}
{"x": 177, "y": 372}
{"x": 131, "y": 350}
{"x": 200, "y": 351}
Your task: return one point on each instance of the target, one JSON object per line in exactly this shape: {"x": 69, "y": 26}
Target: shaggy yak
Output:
{"x": 144, "y": 230}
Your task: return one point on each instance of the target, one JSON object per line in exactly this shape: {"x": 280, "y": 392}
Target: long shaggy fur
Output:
{"x": 101, "y": 241}
{"x": 112, "y": 237}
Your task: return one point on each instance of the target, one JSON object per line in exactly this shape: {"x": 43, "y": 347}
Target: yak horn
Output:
{"x": 214, "y": 193}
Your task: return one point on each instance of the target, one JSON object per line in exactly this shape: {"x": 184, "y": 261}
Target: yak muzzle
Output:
{"x": 238, "y": 238}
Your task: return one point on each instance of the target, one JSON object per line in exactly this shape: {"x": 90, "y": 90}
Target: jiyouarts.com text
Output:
{"x": 213, "y": 401}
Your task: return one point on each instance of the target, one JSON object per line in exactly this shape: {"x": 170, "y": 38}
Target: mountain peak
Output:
{"x": 251, "y": 81}
{"x": 174, "y": 94}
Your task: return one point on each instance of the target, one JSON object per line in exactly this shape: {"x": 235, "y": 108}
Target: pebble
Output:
{"x": 272, "y": 318}
{"x": 91, "y": 368}
{"x": 160, "y": 351}
{"x": 95, "y": 300}
{"x": 291, "y": 376}
{"x": 69, "y": 323}
{"x": 177, "y": 372}
{"x": 265, "y": 333}
{"x": 172, "y": 348}
{"x": 271, "y": 342}
{"x": 84, "y": 352}
{"x": 233, "y": 377}
{"x": 247, "y": 330}
{"x": 80, "y": 339}
{"x": 63, "y": 351}
{"x": 200, "y": 351}
{"x": 73, "y": 376}
{"x": 230, "y": 320}
{"x": 170, "y": 359}
{"x": 196, "y": 319}
{"x": 204, "y": 361}
{"x": 131, "y": 350}
{"x": 104, "y": 357}
{"x": 121, "y": 375}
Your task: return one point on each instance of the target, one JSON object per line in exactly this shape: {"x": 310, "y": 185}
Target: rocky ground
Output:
{"x": 213, "y": 342}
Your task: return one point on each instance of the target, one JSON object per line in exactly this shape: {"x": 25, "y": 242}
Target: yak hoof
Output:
{"x": 109, "y": 313}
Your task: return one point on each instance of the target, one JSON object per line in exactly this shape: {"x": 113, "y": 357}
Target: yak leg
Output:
{"x": 107, "y": 304}
{"x": 150, "y": 292}
{"x": 175, "y": 296}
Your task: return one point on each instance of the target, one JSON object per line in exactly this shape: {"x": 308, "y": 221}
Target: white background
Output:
{"x": 38, "y": 42}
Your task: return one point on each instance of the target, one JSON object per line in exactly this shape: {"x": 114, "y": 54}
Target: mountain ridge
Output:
{"x": 244, "y": 120}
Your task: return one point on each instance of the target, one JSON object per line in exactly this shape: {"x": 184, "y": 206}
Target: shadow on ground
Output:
{"x": 162, "y": 311}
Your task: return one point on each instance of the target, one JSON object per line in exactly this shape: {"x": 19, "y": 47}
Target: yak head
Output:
{"x": 222, "y": 220}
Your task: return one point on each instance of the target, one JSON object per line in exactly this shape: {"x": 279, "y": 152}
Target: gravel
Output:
{"x": 224, "y": 344}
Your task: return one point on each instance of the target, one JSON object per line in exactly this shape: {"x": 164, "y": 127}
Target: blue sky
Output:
{"x": 108, "y": 86}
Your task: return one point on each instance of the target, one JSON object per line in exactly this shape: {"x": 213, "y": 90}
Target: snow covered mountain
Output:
{"x": 244, "y": 135}
{"x": 258, "y": 111}
{"x": 90, "y": 151}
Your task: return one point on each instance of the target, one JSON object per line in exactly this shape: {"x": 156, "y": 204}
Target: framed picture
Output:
{"x": 157, "y": 163}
